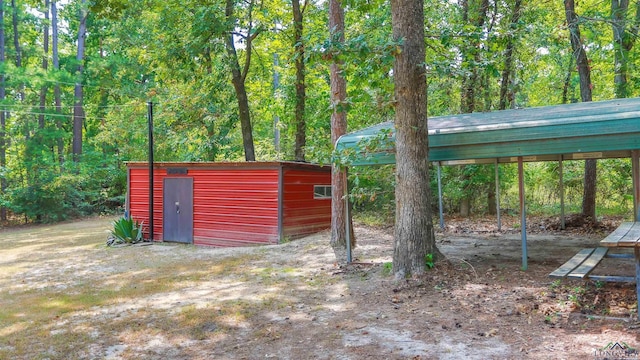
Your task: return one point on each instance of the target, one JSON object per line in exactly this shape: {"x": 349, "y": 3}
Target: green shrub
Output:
{"x": 44, "y": 192}
{"x": 125, "y": 231}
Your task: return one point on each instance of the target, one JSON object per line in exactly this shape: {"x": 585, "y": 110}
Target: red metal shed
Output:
{"x": 231, "y": 204}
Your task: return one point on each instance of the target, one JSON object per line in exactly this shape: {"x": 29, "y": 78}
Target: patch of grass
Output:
{"x": 58, "y": 345}
{"x": 387, "y": 268}
{"x": 555, "y": 284}
{"x": 375, "y": 218}
{"x": 274, "y": 275}
{"x": 428, "y": 261}
{"x": 68, "y": 295}
{"x": 579, "y": 290}
{"x": 62, "y": 307}
{"x": 574, "y": 299}
{"x": 320, "y": 281}
{"x": 199, "y": 323}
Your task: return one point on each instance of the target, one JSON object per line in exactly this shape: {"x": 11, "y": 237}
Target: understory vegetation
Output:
{"x": 372, "y": 189}
{"x": 80, "y": 79}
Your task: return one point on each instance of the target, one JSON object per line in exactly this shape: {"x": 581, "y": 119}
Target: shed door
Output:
{"x": 178, "y": 210}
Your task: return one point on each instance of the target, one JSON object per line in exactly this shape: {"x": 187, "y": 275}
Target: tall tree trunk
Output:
{"x": 414, "y": 235}
{"x": 589, "y": 193}
{"x": 3, "y": 114}
{"x": 465, "y": 203}
{"x": 338, "y": 128}
{"x": 476, "y": 15}
{"x": 567, "y": 81}
{"x": 584, "y": 71}
{"x": 45, "y": 65}
{"x": 623, "y": 41}
{"x": 301, "y": 96}
{"x": 16, "y": 37}
{"x": 18, "y": 50}
{"x": 56, "y": 89}
{"x": 102, "y": 112}
{"x": 507, "y": 93}
{"x": 487, "y": 103}
{"x": 506, "y": 90}
{"x": 492, "y": 207}
{"x": 238, "y": 78}
{"x": 78, "y": 110}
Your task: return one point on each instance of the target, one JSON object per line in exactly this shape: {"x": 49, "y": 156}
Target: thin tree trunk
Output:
{"x": 492, "y": 208}
{"x": 16, "y": 37}
{"x": 301, "y": 96}
{"x": 487, "y": 103}
{"x": 623, "y": 41}
{"x": 338, "y": 128}
{"x": 414, "y": 234}
{"x": 589, "y": 194}
{"x": 45, "y": 66}
{"x": 78, "y": 110}
{"x": 582, "y": 62}
{"x": 238, "y": 78}
{"x": 584, "y": 71}
{"x": 56, "y": 89}
{"x": 3, "y": 114}
{"x": 465, "y": 203}
{"x": 473, "y": 55}
{"x": 474, "y": 14}
{"x": 506, "y": 91}
{"x": 567, "y": 82}
{"x": 102, "y": 112}
{"x": 18, "y": 50}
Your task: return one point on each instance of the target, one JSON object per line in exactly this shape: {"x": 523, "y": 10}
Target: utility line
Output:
{"x": 7, "y": 76}
{"x": 61, "y": 115}
{"x": 141, "y": 104}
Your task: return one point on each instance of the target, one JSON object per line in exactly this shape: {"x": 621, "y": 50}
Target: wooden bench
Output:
{"x": 626, "y": 236}
{"x": 582, "y": 264}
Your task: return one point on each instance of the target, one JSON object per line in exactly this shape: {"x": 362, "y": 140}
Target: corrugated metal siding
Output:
{"x": 139, "y": 199}
{"x": 232, "y": 207}
{"x": 302, "y": 214}
{"x": 236, "y": 204}
{"x": 235, "y": 207}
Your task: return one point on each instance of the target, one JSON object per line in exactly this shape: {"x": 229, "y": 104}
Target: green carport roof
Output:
{"x": 575, "y": 131}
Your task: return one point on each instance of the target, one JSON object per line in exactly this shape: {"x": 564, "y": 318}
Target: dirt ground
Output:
{"x": 291, "y": 301}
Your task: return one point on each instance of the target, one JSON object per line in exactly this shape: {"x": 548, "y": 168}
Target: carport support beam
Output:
{"x": 347, "y": 222}
{"x": 523, "y": 214}
{"x": 440, "y": 207}
{"x": 498, "y": 195}
{"x": 635, "y": 172}
{"x": 636, "y": 252}
{"x": 561, "y": 175}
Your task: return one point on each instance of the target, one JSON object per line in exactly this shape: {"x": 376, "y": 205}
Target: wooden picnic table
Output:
{"x": 627, "y": 235}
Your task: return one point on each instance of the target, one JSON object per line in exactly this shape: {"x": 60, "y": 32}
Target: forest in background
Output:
{"x": 224, "y": 77}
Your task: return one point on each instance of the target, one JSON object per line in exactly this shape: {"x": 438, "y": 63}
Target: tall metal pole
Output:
{"x": 150, "y": 117}
{"x": 440, "y": 205}
{"x": 497, "y": 171}
{"x": 562, "y": 216}
{"x": 276, "y": 118}
{"x": 347, "y": 223}
{"x": 635, "y": 171}
{"x": 523, "y": 213}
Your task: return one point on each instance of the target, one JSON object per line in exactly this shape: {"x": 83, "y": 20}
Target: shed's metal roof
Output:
{"x": 574, "y": 131}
